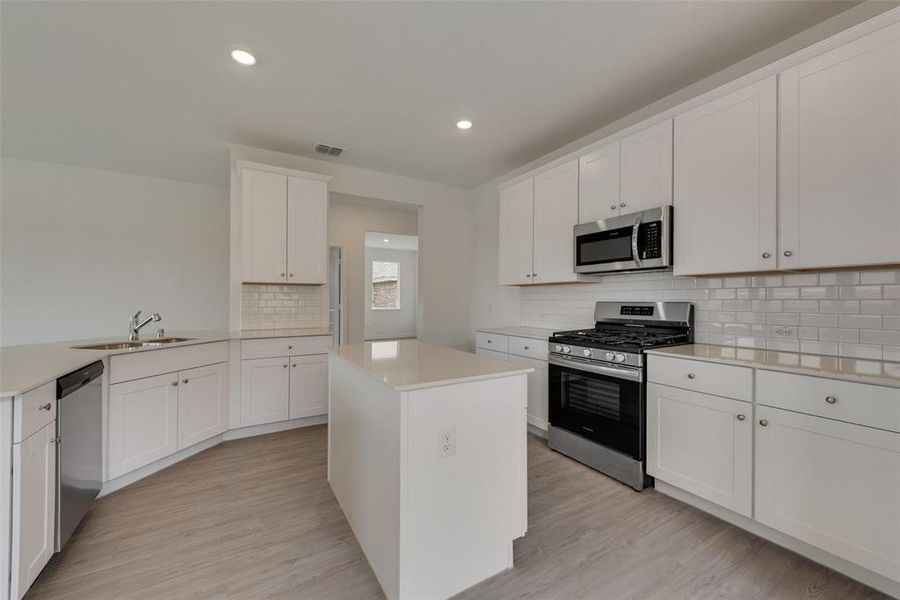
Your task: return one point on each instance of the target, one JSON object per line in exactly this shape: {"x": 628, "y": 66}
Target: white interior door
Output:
{"x": 263, "y": 226}
{"x": 202, "y": 404}
{"x": 598, "y": 184}
{"x": 725, "y": 186}
{"x": 517, "y": 233}
{"x": 307, "y": 230}
{"x": 555, "y": 216}
{"x": 309, "y": 386}
{"x": 264, "y": 390}
{"x": 839, "y": 165}
{"x": 647, "y": 168}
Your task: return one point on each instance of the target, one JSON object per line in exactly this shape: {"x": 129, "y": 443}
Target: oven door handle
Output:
{"x": 619, "y": 373}
{"x": 635, "y": 252}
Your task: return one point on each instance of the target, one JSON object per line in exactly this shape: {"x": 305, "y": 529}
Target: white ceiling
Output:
{"x": 148, "y": 87}
{"x": 392, "y": 241}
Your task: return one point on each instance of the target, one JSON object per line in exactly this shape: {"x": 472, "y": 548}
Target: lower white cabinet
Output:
{"x": 702, "y": 444}
{"x": 143, "y": 422}
{"x": 309, "y": 386}
{"x": 831, "y": 484}
{"x": 522, "y": 351}
{"x": 33, "y": 507}
{"x": 492, "y": 353}
{"x": 202, "y": 404}
{"x": 537, "y": 389}
{"x": 265, "y": 390}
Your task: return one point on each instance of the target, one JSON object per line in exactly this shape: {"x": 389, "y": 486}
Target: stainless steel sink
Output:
{"x": 138, "y": 344}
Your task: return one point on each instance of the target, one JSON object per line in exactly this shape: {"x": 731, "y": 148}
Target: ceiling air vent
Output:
{"x": 328, "y": 150}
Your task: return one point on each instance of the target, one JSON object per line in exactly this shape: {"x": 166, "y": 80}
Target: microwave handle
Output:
{"x": 635, "y": 251}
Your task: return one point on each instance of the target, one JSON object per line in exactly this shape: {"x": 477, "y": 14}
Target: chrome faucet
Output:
{"x": 134, "y": 328}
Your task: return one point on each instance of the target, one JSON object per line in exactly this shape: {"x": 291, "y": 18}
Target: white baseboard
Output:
{"x": 537, "y": 431}
{"x": 854, "y": 571}
{"x": 537, "y": 426}
{"x": 231, "y": 434}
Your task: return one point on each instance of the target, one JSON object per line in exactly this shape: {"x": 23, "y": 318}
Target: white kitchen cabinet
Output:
{"x": 202, "y": 404}
{"x": 555, "y": 215}
{"x": 517, "y": 233}
{"x": 646, "y": 168}
{"x": 143, "y": 422}
{"x": 265, "y": 389}
{"x": 284, "y": 227}
{"x": 263, "y": 226}
{"x": 839, "y": 151}
{"x": 307, "y": 230}
{"x": 830, "y": 484}
{"x": 309, "y": 386}
{"x": 725, "y": 183}
{"x": 702, "y": 444}
{"x": 598, "y": 184}
{"x": 33, "y": 507}
{"x": 492, "y": 353}
{"x": 537, "y": 389}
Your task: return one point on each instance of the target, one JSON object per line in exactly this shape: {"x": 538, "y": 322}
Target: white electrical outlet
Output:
{"x": 784, "y": 331}
{"x": 446, "y": 441}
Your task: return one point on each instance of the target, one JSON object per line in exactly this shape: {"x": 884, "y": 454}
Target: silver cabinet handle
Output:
{"x": 290, "y": 274}
{"x": 294, "y": 365}
{"x": 53, "y": 440}
{"x": 766, "y": 255}
{"x": 613, "y": 207}
{"x": 741, "y": 417}
{"x": 788, "y": 253}
{"x": 490, "y": 341}
{"x": 290, "y": 346}
{"x": 691, "y": 376}
{"x": 622, "y": 204}
{"x": 525, "y": 347}
{"x": 174, "y": 384}
{"x": 284, "y": 366}
{"x": 47, "y": 406}
{"x": 830, "y": 399}
{"x": 534, "y": 274}
{"x": 763, "y": 422}
{"x": 184, "y": 381}
{"x": 282, "y": 274}
{"x": 527, "y": 274}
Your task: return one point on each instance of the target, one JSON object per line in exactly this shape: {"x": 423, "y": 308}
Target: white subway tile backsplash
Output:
{"x": 819, "y": 293}
{"x": 827, "y": 348}
{"x": 839, "y": 278}
{"x": 750, "y": 293}
{"x": 828, "y": 334}
{"x": 736, "y": 282}
{"x": 860, "y": 292}
{"x": 783, "y": 293}
{"x": 879, "y": 336}
{"x": 880, "y": 276}
{"x": 860, "y": 321}
{"x": 783, "y": 318}
{"x": 801, "y": 279}
{"x": 891, "y": 322}
{"x": 880, "y": 307}
{"x": 808, "y": 333}
{"x": 281, "y": 306}
{"x": 803, "y": 306}
{"x": 860, "y": 351}
{"x": 813, "y": 320}
{"x": 766, "y": 281}
{"x": 783, "y": 345}
{"x": 891, "y": 353}
{"x": 839, "y": 306}
{"x": 891, "y": 292}
{"x": 723, "y": 294}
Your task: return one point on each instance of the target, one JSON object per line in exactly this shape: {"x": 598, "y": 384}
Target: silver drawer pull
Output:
{"x": 763, "y": 422}
{"x": 525, "y": 347}
{"x": 174, "y": 384}
{"x": 184, "y": 381}
{"x": 284, "y": 366}
{"x": 47, "y": 406}
{"x": 490, "y": 341}
{"x": 691, "y": 376}
{"x": 830, "y": 399}
{"x": 290, "y": 347}
{"x": 741, "y": 417}
{"x": 294, "y": 365}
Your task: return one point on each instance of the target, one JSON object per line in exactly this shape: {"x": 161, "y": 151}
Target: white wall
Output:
{"x": 389, "y": 324}
{"x": 446, "y": 238}
{"x": 82, "y": 249}
{"x": 349, "y": 218}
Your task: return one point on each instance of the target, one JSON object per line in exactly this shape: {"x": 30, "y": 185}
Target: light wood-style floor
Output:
{"x": 255, "y": 518}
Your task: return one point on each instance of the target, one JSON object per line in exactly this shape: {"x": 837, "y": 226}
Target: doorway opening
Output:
{"x": 391, "y": 285}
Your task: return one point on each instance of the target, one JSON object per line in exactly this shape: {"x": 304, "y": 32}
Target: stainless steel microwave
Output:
{"x": 633, "y": 242}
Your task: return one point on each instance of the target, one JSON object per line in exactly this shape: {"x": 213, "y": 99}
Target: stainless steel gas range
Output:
{"x": 598, "y": 382}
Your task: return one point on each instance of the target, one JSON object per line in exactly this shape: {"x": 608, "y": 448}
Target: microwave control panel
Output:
{"x": 651, "y": 246}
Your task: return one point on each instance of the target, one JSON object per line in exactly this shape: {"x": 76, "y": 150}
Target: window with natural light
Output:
{"x": 385, "y": 285}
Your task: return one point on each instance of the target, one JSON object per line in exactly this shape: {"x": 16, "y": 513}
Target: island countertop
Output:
{"x": 410, "y": 364}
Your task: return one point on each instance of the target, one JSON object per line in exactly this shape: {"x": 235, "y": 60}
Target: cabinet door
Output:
{"x": 537, "y": 389}
{"x": 264, "y": 390}
{"x": 307, "y": 241}
{"x": 309, "y": 386}
{"x": 202, "y": 404}
{"x": 555, "y": 215}
{"x": 831, "y": 484}
{"x": 517, "y": 233}
{"x": 701, "y": 444}
{"x": 33, "y": 507}
{"x": 839, "y": 194}
{"x": 598, "y": 184}
{"x": 492, "y": 354}
{"x": 725, "y": 187}
{"x": 647, "y": 168}
{"x": 143, "y": 422}
{"x": 263, "y": 226}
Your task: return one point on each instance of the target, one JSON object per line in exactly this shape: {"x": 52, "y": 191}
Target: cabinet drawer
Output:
{"x": 492, "y": 341}
{"x": 287, "y": 346}
{"x": 710, "y": 378}
{"x": 33, "y": 410}
{"x": 128, "y": 367}
{"x": 528, "y": 347}
{"x": 860, "y": 403}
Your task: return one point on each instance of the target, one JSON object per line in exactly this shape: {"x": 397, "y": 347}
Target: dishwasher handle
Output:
{"x": 68, "y": 384}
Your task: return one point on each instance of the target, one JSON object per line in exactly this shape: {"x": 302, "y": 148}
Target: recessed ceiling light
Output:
{"x": 464, "y": 124}
{"x": 386, "y": 240}
{"x": 243, "y": 57}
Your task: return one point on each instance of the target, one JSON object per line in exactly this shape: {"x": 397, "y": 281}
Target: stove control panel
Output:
{"x": 583, "y": 354}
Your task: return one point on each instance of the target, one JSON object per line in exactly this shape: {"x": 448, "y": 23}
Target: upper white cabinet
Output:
{"x": 284, "y": 227}
{"x": 839, "y": 165}
{"x": 536, "y": 220}
{"x": 517, "y": 233}
{"x": 725, "y": 183}
{"x": 598, "y": 184}
{"x": 646, "y": 169}
{"x": 555, "y": 215}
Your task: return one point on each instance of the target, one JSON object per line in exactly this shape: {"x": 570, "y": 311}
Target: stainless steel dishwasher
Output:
{"x": 79, "y": 449}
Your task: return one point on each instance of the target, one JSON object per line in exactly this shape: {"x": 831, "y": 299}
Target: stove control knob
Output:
{"x": 620, "y": 357}
{"x": 610, "y": 356}
{"x": 557, "y": 348}
{"x": 586, "y": 352}
{"x": 566, "y": 350}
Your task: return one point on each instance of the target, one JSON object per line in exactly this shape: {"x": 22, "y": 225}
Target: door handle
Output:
{"x": 635, "y": 253}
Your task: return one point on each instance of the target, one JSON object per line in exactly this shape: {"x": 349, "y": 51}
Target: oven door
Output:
{"x": 626, "y": 243}
{"x": 604, "y": 404}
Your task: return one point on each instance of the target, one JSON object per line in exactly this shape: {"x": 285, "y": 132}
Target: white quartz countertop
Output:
{"x": 535, "y": 333}
{"x": 26, "y": 367}
{"x": 410, "y": 364}
{"x": 876, "y": 372}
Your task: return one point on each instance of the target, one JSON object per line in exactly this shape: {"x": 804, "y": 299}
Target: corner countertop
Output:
{"x": 23, "y": 368}
{"x": 535, "y": 333}
{"x": 876, "y": 372}
{"x": 410, "y": 364}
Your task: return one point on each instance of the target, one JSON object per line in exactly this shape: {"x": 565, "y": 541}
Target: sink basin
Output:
{"x": 129, "y": 345}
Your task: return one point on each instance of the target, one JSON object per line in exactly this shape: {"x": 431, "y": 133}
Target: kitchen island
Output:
{"x": 427, "y": 458}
